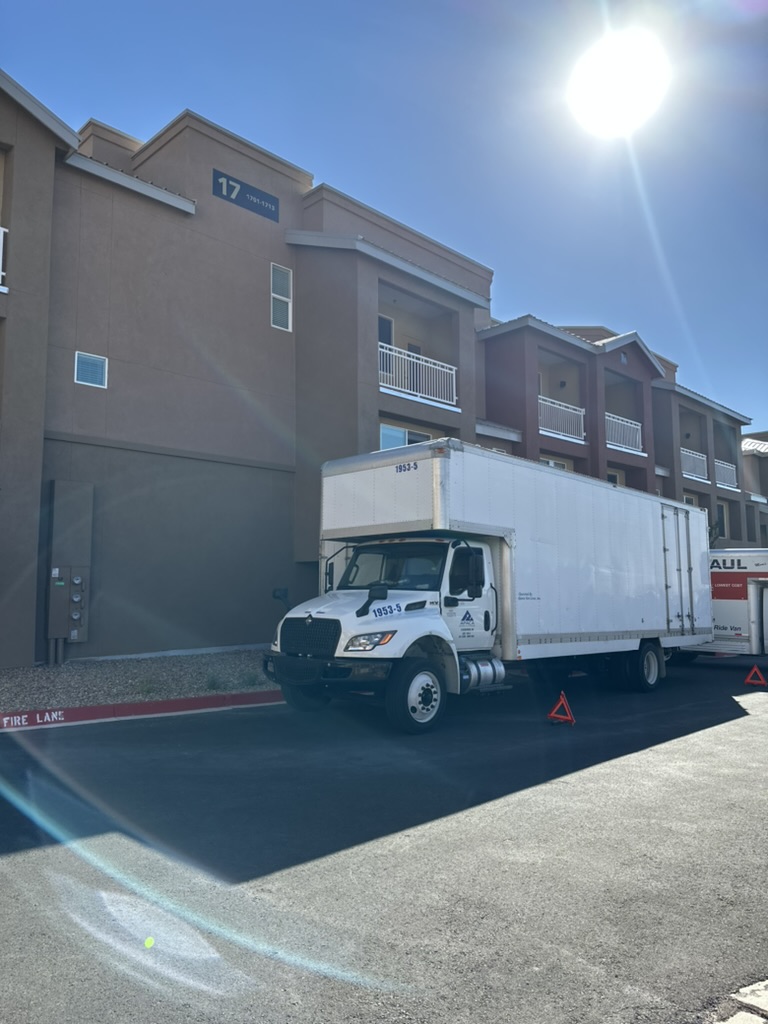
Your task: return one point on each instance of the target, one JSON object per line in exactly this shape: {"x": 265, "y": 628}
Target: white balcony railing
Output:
{"x": 624, "y": 433}
{"x": 559, "y": 418}
{"x": 725, "y": 474}
{"x": 693, "y": 464}
{"x": 416, "y": 375}
{"x": 3, "y": 233}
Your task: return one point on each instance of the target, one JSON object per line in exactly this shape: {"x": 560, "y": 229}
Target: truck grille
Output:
{"x": 316, "y": 638}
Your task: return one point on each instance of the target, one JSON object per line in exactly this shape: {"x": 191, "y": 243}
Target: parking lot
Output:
{"x": 259, "y": 864}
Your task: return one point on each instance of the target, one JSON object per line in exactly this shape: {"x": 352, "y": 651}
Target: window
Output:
{"x": 690, "y": 499}
{"x": 386, "y": 330}
{"x": 616, "y": 477}
{"x": 386, "y": 335}
{"x": 460, "y": 575}
{"x": 402, "y": 566}
{"x": 751, "y": 523}
{"x": 90, "y": 370}
{"x": 722, "y": 519}
{"x": 565, "y": 464}
{"x": 397, "y": 437}
{"x": 282, "y": 298}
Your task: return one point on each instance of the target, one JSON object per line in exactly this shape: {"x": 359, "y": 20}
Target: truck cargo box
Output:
{"x": 592, "y": 562}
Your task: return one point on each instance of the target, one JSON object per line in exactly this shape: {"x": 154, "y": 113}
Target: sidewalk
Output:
{"x": 110, "y": 688}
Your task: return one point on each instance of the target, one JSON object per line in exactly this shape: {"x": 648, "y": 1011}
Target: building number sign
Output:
{"x": 247, "y": 196}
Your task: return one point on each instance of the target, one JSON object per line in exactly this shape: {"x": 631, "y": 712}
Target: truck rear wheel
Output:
{"x": 304, "y": 698}
{"x": 415, "y": 697}
{"x": 645, "y": 666}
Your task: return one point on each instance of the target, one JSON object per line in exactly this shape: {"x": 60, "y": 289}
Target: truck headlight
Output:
{"x": 367, "y": 641}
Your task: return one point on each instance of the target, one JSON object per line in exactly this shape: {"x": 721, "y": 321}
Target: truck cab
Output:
{"x": 399, "y": 603}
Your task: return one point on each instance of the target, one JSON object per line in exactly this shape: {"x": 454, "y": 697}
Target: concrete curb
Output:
{"x": 46, "y": 718}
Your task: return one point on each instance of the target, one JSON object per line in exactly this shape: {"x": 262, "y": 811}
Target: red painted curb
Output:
{"x": 47, "y": 717}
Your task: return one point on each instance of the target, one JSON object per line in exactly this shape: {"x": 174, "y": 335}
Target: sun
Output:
{"x": 619, "y": 83}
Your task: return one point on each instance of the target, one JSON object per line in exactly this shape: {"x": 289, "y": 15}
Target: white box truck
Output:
{"x": 459, "y": 563}
{"x": 739, "y": 579}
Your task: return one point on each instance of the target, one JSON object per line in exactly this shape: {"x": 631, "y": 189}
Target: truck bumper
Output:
{"x": 338, "y": 673}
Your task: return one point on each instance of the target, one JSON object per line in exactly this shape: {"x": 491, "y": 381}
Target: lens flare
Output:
{"x": 619, "y": 83}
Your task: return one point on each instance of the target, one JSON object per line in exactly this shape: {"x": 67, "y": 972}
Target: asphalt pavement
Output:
{"x": 261, "y": 865}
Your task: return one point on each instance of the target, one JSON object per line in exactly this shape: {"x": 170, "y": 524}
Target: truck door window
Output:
{"x": 459, "y": 578}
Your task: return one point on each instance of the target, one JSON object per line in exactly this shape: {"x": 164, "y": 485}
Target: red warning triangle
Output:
{"x": 561, "y": 712}
{"x": 756, "y": 677}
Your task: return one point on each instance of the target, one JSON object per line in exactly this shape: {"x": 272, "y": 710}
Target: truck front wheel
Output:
{"x": 645, "y": 666}
{"x": 304, "y": 698}
{"x": 415, "y": 696}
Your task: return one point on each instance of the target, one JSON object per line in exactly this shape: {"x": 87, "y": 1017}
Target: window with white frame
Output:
{"x": 386, "y": 330}
{"x": 391, "y": 436}
{"x": 616, "y": 477}
{"x": 565, "y": 464}
{"x": 282, "y": 297}
{"x": 386, "y": 337}
{"x": 690, "y": 499}
{"x": 90, "y": 370}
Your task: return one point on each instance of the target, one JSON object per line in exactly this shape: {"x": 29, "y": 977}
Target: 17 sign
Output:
{"x": 247, "y": 196}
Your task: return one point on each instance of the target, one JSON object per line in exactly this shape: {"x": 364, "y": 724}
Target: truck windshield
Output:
{"x": 407, "y": 566}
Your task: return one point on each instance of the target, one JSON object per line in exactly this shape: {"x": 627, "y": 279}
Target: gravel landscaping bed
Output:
{"x": 127, "y": 680}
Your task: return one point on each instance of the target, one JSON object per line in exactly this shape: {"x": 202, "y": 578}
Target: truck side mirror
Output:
{"x": 377, "y": 592}
{"x": 328, "y": 576}
{"x": 281, "y": 594}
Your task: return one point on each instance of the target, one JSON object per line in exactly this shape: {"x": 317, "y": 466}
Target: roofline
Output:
{"x": 325, "y": 187}
{"x": 110, "y": 128}
{"x": 528, "y": 320}
{"x": 319, "y": 239}
{"x": 189, "y": 118}
{"x": 666, "y": 385}
{"x": 627, "y": 339}
{"x": 619, "y": 341}
{"x": 749, "y": 446}
{"x": 41, "y": 113}
{"x": 115, "y": 177}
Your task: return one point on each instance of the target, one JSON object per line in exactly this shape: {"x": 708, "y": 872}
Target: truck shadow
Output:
{"x": 245, "y": 793}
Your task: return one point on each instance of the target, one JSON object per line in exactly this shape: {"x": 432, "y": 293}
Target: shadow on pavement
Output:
{"x": 245, "y": 793}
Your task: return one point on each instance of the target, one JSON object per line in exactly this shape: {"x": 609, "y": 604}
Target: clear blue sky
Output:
{"x": 449, "y": 115}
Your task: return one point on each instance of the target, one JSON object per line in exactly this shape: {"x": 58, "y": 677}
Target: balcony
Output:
{"x": 693, "y": 464}
{"x": 725, "y": 474}
{"x": 3, "y": 233}
{"x": 561, "y": 419}
{"x": 416, "y": 376}
{"x": 623, "y": 433}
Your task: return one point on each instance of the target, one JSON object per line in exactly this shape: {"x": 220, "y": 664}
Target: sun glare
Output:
{"x": 619, "y": 83}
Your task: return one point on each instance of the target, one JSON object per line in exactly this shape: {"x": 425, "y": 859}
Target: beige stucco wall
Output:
{"x": 24, "y": 313}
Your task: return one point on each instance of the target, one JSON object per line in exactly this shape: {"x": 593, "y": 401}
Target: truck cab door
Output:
{"x": 468, "y": 597}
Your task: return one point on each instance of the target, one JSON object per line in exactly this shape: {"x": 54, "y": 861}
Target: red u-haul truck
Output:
{"x": 739, "y": 601}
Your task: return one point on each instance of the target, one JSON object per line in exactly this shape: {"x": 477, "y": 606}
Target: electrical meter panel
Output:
{"x": 68, "y": 598}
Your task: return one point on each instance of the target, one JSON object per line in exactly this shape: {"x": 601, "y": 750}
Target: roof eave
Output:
{"x": 666, "y": 385}
{"x": 46, "y": 117}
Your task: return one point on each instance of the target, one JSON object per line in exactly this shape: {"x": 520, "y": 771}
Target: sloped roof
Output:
{"x": 41, "y": 113}
{"x": 665, "y": 385}
{"x": 605, "y": 345}
{"x": 753, "y": 447}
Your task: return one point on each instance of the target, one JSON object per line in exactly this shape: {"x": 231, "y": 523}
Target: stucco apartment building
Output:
{"x": 190, "y": 327}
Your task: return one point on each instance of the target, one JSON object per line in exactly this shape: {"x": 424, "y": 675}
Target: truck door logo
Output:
{"x": 467, "y": 617}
